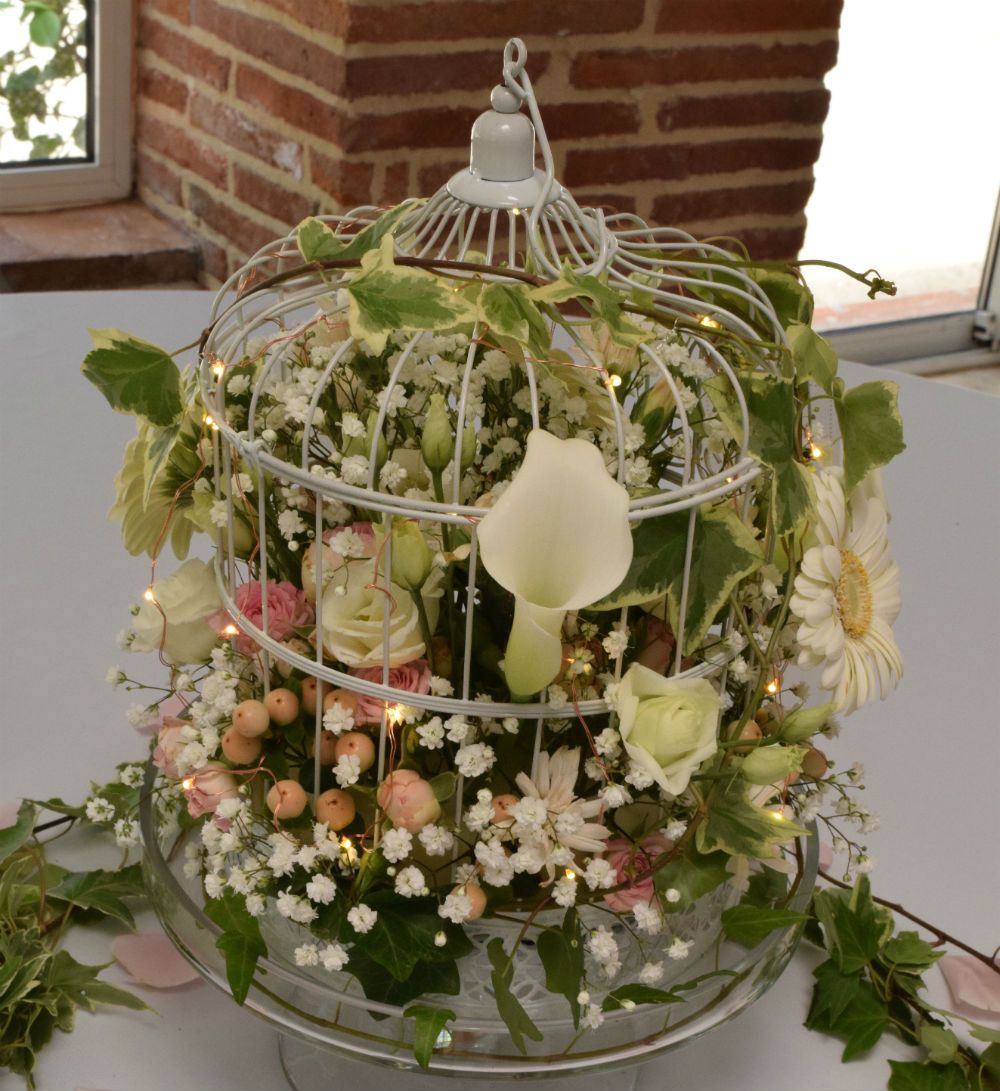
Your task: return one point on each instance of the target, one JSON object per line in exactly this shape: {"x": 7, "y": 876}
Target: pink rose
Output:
{"x": 207, "y": 788}
{"x": 632, "y": 864}
{"x": 414, "y": 677}
{"x": 408, "y": 800}
{"x": 287, "y": 610}
{"x": 170, "y": 742}
{"x": 658, "y": 650}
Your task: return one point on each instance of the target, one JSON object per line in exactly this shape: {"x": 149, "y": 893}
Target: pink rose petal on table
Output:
{"x": 8, "y": 814}
{"x": 152, "y": 960}
{"x": 974, "y": 987}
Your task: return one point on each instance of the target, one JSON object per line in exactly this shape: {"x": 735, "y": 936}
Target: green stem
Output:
{"x": 425, "y": 626}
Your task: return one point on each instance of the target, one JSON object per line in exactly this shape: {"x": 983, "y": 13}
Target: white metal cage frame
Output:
{"x": 537, "y": 223}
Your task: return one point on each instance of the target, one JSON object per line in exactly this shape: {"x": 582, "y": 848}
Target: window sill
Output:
{"x": 120, "y": 245}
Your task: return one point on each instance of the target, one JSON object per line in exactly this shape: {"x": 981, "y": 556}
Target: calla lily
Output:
{"x": 558, "y": 539}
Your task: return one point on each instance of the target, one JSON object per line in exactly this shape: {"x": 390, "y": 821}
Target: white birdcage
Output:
{"x": 514, "y": 216}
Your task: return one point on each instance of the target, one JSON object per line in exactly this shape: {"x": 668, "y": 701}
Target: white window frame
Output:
{"x": 109, "y": 176}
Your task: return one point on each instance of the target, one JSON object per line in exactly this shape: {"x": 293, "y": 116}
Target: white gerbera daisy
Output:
{"x": 847, "y": 596}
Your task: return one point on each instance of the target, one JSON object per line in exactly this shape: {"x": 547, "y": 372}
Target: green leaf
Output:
{"x": 513, "y": 1014}
{"x": 734, "y": 825}
{"x": 403, "y": 936}
{"x": 601, "y": 301}
{"x": 240, "y": 943}
{"x": 317, "y": 241}
{"x": 691, "y": 875}
{"x": 833, "y": 994}
{"x": 158, "y": 450}
{"x": 725, "y": 552}
{"x": 102, "y": 891}
{"x": 791, "y": 299}
{"x": 134, "y": 376}
{"x": 443, "y": 785}
{"x": 871, "y": 429}
{"x": 909, "y": 950}
{"x": 749, "y": 924}
{"x": 427, "y": 978}
{"x": 940, "y": 1042}
{"x": 861, "y": 1023}
{"x": 60, "y": 807}
{"x": 561, "y": 954}
{"x": 45, "y": 28}
{"x": 384, "y": 297}
{"x": 509, "y": 311}
{"x": 912, "y": 1076}
{"x": 984, "y": 1034}
{"x": 855, "y": 931}
{"x": 80, "y": 984}
{"x": 812, "y": 355}
{"x": 13, "y": 837}
{"x": 990, "y": 1061}
{"x": 428, "y": 1024}
{"x": 639, "y": 994}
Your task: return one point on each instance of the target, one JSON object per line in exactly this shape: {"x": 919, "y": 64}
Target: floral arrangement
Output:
{"x": 677, "y": 758}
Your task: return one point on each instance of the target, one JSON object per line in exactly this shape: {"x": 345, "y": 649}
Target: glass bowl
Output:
{"x": 329, "y": 1029}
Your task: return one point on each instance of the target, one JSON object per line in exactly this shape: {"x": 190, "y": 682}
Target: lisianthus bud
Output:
{"x": 772, "y": 764}
{"x": 804, "y": 722}
{"x": 654, "y": 409}
{"x": 437, "y": 444}
{"x": 412, "y": 559}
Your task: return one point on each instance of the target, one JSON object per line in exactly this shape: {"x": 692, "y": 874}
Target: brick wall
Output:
{"x": 705, "y": 114}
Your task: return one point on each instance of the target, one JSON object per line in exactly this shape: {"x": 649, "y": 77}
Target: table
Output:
{"x": 66, "y": 583}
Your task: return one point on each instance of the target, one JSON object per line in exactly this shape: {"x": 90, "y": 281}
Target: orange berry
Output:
{"x": 477, "y": 898}
{"x": 282, "y": 705}
{"x": 251, "y": 718}
{"x": 327, "y": 748}
{"x": 814, "y": 763}
{"x": 312, "y": 690}
{"x": 501, "y": 807}
{"x": 335, "y": 808}
{"x": 361, "y": 746}
{"x": 342, "y": 697}
{"x": 240, "y": 749}
{"x": 287, "y": 799}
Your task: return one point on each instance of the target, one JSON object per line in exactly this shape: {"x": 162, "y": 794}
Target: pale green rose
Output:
{"x": 183, "y": 603}
{"x": 668, "y": 725}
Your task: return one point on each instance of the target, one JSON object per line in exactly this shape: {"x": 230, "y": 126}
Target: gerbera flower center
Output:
{"x": 854, "y": 595}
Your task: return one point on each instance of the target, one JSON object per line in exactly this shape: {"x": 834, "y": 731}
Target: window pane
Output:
{"x": 907, "y": 178}
{"x": 45, "y": 82}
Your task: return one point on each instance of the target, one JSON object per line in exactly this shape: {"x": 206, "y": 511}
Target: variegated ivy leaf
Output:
{"x": 509, "y": 311}
{"x": 601, "y": 301}
{"x": 385, "y": 296}
{"x": 812, "y": 355}
{"x": 318, "y": 242}
{"x": 870, "y": 427}
{"x": 724, "y": 553}
{"x": 135, "y": 376}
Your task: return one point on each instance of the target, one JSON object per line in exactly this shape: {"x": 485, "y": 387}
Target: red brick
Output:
{"x": 586, "y": 166}
{"x": 633, "y": 67}
{"x": 400, "y": 75}
{"x": 431, "y": 127}
{"x": 715, "y": 204}
{"x": 396, "y": 186}
{"x": 175, "y": 9}
{"x": 349, "y": 183}
{"x": 433, "y": 177}
{"x": 762, "y": 108}
{"x": 175, "y": 144}
{"x": 329, "y": 16}
{"x": 746, "y": 16}
{"x": 449, "y": 20}
{"x": 249, "y": 136}
{"x": 184, "y": 54}
{"x": 773, "y": 243}
{"x": 270, "y": 41}
{"x": 298, "y": 108}
{"x": 160, "y": 87}
{"x": 246, "y": 235}
{"x": 609, "y": 202}
{"x": 572, "y": 120}
{"x": 275, "y": 200}
{"x": 158, "y": 177}
{"x": 213, "y": 260}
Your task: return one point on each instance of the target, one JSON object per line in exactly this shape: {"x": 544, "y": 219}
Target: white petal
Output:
{"x": 534, "y": 649}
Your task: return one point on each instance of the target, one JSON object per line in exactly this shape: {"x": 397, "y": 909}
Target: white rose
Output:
{"x": 354, "y": 603}
{"x": 668, "y": 725}
{"x": 186, "y": 598}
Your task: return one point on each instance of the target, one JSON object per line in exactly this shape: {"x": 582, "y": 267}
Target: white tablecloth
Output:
{"x": 66, "y": 583}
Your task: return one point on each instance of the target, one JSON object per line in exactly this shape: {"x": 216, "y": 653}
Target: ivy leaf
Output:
{"x": 427, "y": 978}
{"x": 734, "y": 825}
{"x": 691, "y": 875}
{"x": 45, "y": 28}
{"x": 134, "y": 376}
{"x": 60, "y": 806}
{"x": 725, "y": 552}
{"x": 561, "y": 953}
{"x": 907, "y": 949}
{"x": 984, "y": 1034}
{"x": 855, "y": 931}
{"x": 384, "y": 296}
{"x": 870, "y": 427}
{"x": 443, "y": 785}
{"x": 833, "y": 994}
{"x": 749, "y": 924}
{"x": 861, "y": 1022}
{"x": 317, "y": 241}
{"x": 241, "y": 943}
{"x": 791, "y": 299}
{"x": 912, "y": 1076}
{"x": 102, "y": 891}
{"x": 13, "y": 837}
{"x": 428, "y": 1024}
{"x": 601, "y": 301}
{"x": 812, "y": 355}
{"x": 513, "y": 1014}
{"x": 81, "y": 985}
{"x": 638, "y": 994}
{"x": 402, "y": 937}
{"x": 509, "y": 311}
{"x": 940, "y": 1042}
